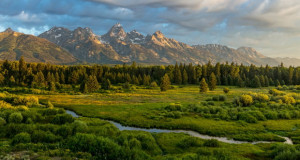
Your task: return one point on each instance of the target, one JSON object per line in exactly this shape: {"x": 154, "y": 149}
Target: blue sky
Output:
{"x": 270, "y": 26}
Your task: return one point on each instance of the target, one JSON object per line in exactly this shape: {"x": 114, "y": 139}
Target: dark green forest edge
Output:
{"x": 246, "y": 103}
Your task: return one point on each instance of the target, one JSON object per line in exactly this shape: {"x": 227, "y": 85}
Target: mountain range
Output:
{"x": 63, "y": 46}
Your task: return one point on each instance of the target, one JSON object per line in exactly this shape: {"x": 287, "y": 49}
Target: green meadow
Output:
{"x": 213, "y": 113}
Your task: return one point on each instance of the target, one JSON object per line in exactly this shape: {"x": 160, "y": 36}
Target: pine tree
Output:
{"x": 62, "y": 78}
{"x": 106, "y": 84}
{"x": 184, "y": 77}
{"x": 127, "y": 78}
{"x": 2, "y": 78}
{"x": 92, "y": 84}
{"x": 39, "y": 79}
{"x": 240, "y": 82}
{"x": 262, "y": 81}
{"x": 49, "y": 78}
{"x": 140, "y": 79}
{"x": 57, "y": 77}
{"x": 277, "y": 83}
{"x": 177, "y": 75}
{"x": 83, "y": 87}
{"x": 146, "y": 80}
{"x": 135, "y": 80}
{"x": 256, "y": 82}
{"x": 212, "y": 82}
{"x": 74, "y": 77}
{"x": 12, "y": 81}
{"x": 267, "y": 82}
{"x": 291, "y": 74}
{"x": 203, "y": 86}
{"x": 282, "y": 82}
{"x": 22, "y": 70}
{"x": 52, "y": 86}
{"x": 165, "y": 83}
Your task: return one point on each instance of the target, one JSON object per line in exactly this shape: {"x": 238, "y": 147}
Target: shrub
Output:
{"x": 174, "y": 107}
{"x": 126, "y": 85}
{"x": 4, "y": 105}
{"x": 211, "y": 103}
{"x": 65, "y": 131}
{"x": 42, "y": 136}
{"x": 247, "y": 117}
{"x": 15, "y": 118}
{"x": 153, "y": 84}
{"x": 21, "y": 138}
{"x": 100, "y": 147}
{"x": 49, "y": 105}
{"x": 22, "y": 108}
{"x": 246, "y": 100}
{"x": 226, "y": 90}
{"x": 271, "y": 115}
{"x": 79, "y": 126}
{"x": 28, "y": 101}
{"x": 62, "y": 119}
{"x": 2, "y": 121}
{"x": 258, "y": 115}
{"x": 188, "y": 142}
{"x": 262, "y": 97}
{"x": 222, "y": 98}
{"x": 134, "y": 143}
{"x": 177, "y": 115}
{"x": 275, "y": 92}
{"x": 289, "y": 100}
{"x": 215, "y": 98}
{"x": 211, "y": 143}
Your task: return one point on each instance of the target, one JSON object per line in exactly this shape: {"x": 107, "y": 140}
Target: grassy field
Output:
{"x": 47, "y": 132}
{"x": 145, "y": 108}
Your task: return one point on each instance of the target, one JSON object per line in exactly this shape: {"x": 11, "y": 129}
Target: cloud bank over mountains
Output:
{"x": 271, "y": 26}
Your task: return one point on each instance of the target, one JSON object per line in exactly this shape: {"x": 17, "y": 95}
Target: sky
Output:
{"x": 270, "y": 26}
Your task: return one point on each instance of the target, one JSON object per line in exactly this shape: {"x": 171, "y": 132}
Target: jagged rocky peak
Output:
{"x": 57, "y": 30}
{"x": 80, "y": 30}
{"x": 136, "y": 37}
{"x": 9, "y": 30}
{"x": 159, "y": 35}
{"x": 56, "y": 34}
{"x": 83, "y": 33}
{"x": 117, "y": 31}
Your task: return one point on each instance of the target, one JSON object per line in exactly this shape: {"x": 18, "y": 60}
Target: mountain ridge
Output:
{"x": 117, "y": 47}
{"x": 13, "y": 45}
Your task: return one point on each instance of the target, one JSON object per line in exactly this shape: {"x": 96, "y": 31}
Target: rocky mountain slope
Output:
{"x": 117, "y": 46}
{"x": 83, "y": 44}
{"x": 289, "y": 61}
{"x": 245, "y": 55}
{"x": 63, "y": 46}
{"x": 13, "y": 45}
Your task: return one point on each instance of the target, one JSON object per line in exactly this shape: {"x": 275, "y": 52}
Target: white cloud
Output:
{"x": 209, "y": 5}
{"x": 33, "y": 30}
{"x": 26, "y": 17}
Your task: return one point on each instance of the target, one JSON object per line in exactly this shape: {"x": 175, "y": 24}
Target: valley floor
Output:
{"x": 181, "y": 108}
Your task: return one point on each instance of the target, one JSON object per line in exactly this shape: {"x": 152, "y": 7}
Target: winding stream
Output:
{"x": 191, "y": 133}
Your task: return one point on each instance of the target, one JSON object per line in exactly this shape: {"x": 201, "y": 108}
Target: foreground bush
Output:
{"x": 4, "y": 105}
{"x": 28, "y": 101}
{"x": 15, "y": 118}
{"x": 21, "y": 138}
{"x": 211, "y": 143}
{"x": 246, "y": 100}
{"x": 100, "y": 147}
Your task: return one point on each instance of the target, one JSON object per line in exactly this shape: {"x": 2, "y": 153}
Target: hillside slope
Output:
{"x": 13, "y": 45}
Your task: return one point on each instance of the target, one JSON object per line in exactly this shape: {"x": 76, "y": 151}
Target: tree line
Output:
{"x": 92, "y": 77}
